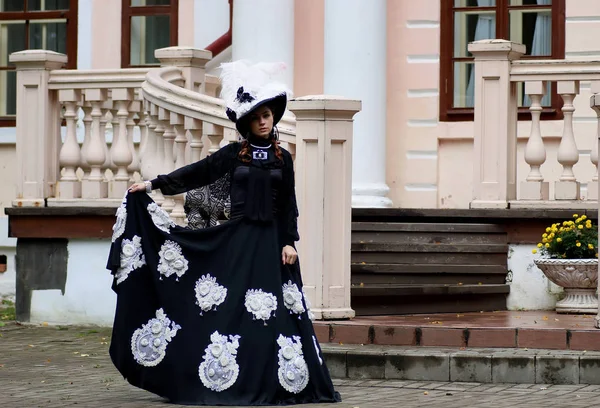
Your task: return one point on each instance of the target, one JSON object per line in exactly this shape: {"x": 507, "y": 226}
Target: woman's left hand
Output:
{"x": 289, "y": 255}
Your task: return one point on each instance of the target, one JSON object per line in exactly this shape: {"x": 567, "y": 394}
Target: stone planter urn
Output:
{"x": 579, "y": 278}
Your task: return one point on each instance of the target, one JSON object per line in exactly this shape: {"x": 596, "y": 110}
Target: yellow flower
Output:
{"x": 583, "y": 217}
{"x": 590, "y": 246}
{"x": 534, "y": 251}
{"x": 540, "y": 245}
{"x": 578, "y": 244}
{"x": 558, "y": 239}
{"x": 580, "y": 226}
{"x": 547, "y": 245}
{"x": 548, "y": 229}
{"x": 544, "y": 235}
{"x": 544, "y": 240}
{"x": 575, "y": 215}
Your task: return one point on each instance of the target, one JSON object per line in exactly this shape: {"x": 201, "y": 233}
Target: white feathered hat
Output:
{"x": 246, "y": 86}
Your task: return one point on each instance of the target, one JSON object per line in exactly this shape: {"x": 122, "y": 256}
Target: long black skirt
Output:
{"x": 212, "y": 316}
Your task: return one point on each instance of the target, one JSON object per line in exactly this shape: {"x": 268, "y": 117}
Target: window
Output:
{"x": 538, "y": 24}
{"x": 33, "y": 24}
{"x": 147, "y": 25}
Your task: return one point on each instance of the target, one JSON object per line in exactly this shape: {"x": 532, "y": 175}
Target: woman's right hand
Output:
{"x": 134, "y": 188}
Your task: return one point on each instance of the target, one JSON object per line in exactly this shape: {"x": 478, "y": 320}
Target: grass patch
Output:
{"x": 7, "y": 302}
{"x": 87, "y": 333}
{"x": 8, "y": 314}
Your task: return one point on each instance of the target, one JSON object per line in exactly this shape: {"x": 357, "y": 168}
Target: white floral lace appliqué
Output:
{"x": 209, "y": 294}
{"x": 261, "y": 304}
{"x": 160, "y": 218}
{"x": 293, "y": 372}
{"x": 172, "y": 260}
{"x": 292, "y": 298}
{"x": 219, "y": 369}
{"x": 149, "y": 344}
{"x": 119, "y": 227}
{"x": 132, "y": 257}
{"x": 311, "y": 315}
{"x": 317, "y": 350}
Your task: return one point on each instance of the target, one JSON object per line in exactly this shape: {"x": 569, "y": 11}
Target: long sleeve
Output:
{"x": 288, "y": 211}
{"x": 199, "y": 174}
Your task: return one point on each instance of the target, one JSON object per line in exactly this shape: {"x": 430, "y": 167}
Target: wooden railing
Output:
{"x": 551, "y": 169}
{"x": 175, "y": 113}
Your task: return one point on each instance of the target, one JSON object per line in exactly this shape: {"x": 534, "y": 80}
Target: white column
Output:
{"x": 355, "y": 67}
{"x": 263, "y": 31}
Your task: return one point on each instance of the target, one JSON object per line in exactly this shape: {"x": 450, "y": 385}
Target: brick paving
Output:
{"x": 69, "y": 366}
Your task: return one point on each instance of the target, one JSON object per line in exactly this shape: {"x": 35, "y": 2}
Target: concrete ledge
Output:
{"x": 514, "y": 366}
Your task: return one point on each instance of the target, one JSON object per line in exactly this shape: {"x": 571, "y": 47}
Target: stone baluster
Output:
{"x": 69, "y": 185}
{"x": 194, "y": 130}
{"x": 165, "y": 165}
{"x": 156, "y": 157}
{"x": 177, "y": 124}
{"x": 134, "y": 108}
{"x": 143, "y": 124}
{"x": 159, "y": 157}
{"x": 87, "y": 135}
{"x": 120, "y": 151}
{"x": 108, "y": 164}
{"x": 592, "y": 190}
{"x": 567, "y": 187}
{"x": 214, "y": 133}
{"x": 535, "y": 188}
{"x": 148, "y": 148}
{"x": 95, "y": 186}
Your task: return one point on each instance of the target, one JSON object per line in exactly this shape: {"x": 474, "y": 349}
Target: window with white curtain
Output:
{"x": 538, "y": 24}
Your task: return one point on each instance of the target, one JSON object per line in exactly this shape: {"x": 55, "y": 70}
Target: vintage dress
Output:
{"x": 212, "y": 316}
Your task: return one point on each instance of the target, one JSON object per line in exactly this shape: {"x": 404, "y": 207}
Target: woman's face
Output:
{"x": 261, "y": 122}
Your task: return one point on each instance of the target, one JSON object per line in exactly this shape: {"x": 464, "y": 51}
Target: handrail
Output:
{"x": 110, "y": 78}
{"x": 554, "y": 70}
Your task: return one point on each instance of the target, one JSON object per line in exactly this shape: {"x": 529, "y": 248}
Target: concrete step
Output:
{"x": 515, "y": 366}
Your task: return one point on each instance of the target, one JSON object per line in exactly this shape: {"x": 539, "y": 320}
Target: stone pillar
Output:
{"x": 324, "y": 141}
{"x": 263, "y": 31}
{"x": 355, "y": 66}
{"x": 38, "y": 126}
{"x": 595, "y": 105}
{"x": 495, "y": 143}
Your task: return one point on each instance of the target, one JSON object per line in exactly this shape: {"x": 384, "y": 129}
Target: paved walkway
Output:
{"x": 58, "y": 367}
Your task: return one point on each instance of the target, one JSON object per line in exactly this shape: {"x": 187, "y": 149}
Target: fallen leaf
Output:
{"x": 543, "y": 388}
{"x": 459, "y": 315}
{"x": 43, "y": 381}
{"x": 556, "y": 320}
{"x": 362, "y": 284}
{"x": 1, "y": 365}
{"x": 479, "y": 283}
{"x": 31, "y": 345}
{"x": 460, "y": 283}
{"x": 47, "y": 361}
{"x": 425, "y": 393}
{"x": 84, "y": 355}
{"x": 545, "y": 318}
{"x": 45, "y": 324}
{"x": 76, "y": 352}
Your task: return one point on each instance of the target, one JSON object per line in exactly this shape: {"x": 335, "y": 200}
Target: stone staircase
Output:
{"x": 427, "y": 266}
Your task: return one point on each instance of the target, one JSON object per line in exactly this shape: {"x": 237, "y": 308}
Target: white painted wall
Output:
{"x": 88, "y": 297}
{"x": 211, "y": 20}
{"x": 530, "y": 289}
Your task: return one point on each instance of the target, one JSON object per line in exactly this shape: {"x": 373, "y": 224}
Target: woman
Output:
{"x": 217, "y": 316}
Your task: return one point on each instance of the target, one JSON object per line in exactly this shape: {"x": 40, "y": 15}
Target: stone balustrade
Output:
{"x": 550, "y": 170}
{"x": 84, "y": 136}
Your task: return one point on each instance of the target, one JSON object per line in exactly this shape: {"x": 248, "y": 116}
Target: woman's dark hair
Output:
{"x": 244, "y": 154}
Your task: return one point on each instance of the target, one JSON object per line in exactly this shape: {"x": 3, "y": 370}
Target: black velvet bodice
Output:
{"x": 262, "y": 190}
